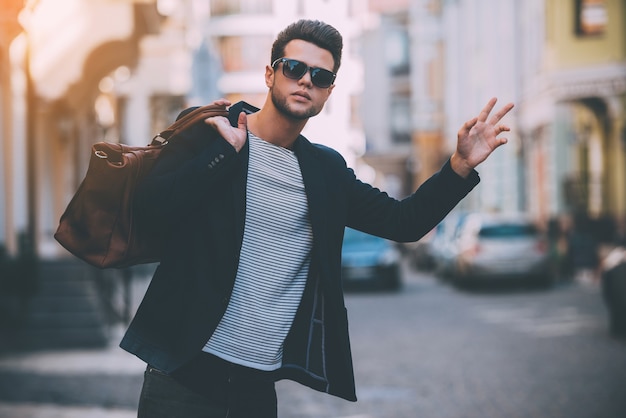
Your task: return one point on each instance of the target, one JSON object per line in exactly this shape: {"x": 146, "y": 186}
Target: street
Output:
{"x": 433, "y": 351}
{"x": 429, "y": 350}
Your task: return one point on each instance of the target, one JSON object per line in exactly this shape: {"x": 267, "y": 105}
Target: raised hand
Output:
{"x": 478, "y": 138}
{"x": 236, "y": 136}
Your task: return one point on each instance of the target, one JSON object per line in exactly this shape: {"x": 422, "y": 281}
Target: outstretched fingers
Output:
{"x": 500, "y": 113}
{"x": 484, "y": 114}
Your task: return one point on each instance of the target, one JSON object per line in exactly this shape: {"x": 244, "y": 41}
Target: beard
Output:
{"x": 280, "y": 103}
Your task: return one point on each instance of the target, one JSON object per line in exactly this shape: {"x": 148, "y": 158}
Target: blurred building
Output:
{"x": 385, "y": 103}
{"x": 428, "y": 81}
{"x": 563, "y": 64}
{"x": 481, "y": 42}
{"x": 60, "y": 64}
{"x": 425, "y": 75}
{"x": 9, "y": 30}
{"x": 572, "y": 102}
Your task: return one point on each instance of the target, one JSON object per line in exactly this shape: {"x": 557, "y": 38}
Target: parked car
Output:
{"x": 443, "y": 245}
{"x": 419, "y": 253}
{"x": 369, "y": 262}
{"x": 501, "y": 247}
{"x": 614, "y": 290}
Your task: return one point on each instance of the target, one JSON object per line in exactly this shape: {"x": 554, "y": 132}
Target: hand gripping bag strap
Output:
{"x": 191, "y": 118}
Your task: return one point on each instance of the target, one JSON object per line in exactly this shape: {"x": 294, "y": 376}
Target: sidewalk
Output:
{"x": 55, "y": 411}
{"x": 70, "y": 383}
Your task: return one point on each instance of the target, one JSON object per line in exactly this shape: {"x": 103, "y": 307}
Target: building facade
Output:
{"x": 481, "y": 44}
{"x": 385, "y": 103}
{"x": 9, "y": 30}
{"x": 572, "y": 107}
{"x": 59, "y": 60}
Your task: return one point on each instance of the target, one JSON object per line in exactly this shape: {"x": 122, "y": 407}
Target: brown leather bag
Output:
{"x": 97, "y": 225}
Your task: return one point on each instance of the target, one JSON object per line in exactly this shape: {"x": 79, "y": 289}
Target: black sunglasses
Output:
{"x": 295, "y": 70}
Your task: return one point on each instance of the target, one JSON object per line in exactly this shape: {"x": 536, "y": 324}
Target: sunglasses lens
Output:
{"x": 322, "y": 78}
{"x": 294, "y": 69}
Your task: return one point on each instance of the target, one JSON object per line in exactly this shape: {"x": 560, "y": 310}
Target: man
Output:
{"x": 249, "y": 289}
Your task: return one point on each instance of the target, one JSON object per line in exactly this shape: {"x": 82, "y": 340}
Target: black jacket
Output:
{"x": 196, "y": 195}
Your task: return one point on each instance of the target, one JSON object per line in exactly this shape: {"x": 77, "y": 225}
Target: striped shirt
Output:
{"x": 274, "y": 261}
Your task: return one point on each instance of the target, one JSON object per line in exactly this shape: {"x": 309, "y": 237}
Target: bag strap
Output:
{"x": 186, "y": 121}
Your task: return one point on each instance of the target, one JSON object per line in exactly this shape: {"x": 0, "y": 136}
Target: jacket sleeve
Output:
{"x": 184, "y": 173}
{"x": 373, "y": 211}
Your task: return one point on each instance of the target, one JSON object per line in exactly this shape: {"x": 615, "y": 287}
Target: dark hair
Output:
{"x": 319, "y": 33}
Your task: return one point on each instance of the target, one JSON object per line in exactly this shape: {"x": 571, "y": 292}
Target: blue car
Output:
{"x": 369, "y": 262}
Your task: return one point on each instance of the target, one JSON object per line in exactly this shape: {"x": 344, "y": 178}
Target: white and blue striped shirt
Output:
{"x": 274, "y": 261}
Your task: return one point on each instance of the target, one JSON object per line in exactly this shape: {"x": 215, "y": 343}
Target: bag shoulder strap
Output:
{"x": 186, "y": 121}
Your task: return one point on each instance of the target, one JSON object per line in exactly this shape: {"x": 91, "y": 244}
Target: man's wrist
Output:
{"x": 460, "y": 166}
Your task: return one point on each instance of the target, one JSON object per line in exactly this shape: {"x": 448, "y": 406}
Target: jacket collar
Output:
{"x": 302, "y": 146}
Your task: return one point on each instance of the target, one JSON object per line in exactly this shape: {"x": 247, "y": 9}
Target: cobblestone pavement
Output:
{"x": 428, "y": 351}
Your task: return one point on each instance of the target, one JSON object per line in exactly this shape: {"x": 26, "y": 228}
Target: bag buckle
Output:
{"x": 158, "y": 138}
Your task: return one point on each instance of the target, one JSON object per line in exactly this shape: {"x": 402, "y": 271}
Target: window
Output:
{"x": 232, "y": 7}
{"x": 397, "y": 51}
{"x": 591, "y": 17}
{"x": 244, "y": 53}
{"x": 400, "y": 119}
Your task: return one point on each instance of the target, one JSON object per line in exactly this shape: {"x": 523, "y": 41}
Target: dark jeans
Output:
{"x": 207, "y": 387}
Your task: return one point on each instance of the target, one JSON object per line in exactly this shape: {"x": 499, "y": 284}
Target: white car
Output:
{"x": 444, "y": 245}
{"x": 501, "y": 247}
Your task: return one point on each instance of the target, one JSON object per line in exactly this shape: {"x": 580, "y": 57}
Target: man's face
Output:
{"x": 299, "y": 99}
